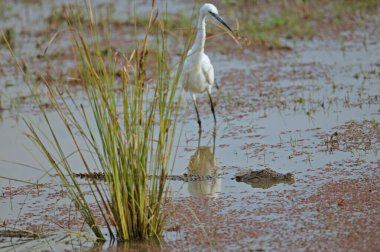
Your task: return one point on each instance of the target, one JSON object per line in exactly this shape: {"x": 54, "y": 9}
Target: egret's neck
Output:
{"x": 199, "y": 43}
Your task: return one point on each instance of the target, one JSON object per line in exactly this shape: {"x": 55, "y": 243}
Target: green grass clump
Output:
{"x": 287, "y": 23}
{"x": 128, "y": 135}
{"x": 172, "y": 22}
{"x": 267, "y": 22}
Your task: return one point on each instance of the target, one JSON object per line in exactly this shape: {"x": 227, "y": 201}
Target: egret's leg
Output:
{"x": 212, "y": 105}
{"x": 196, "y": 110}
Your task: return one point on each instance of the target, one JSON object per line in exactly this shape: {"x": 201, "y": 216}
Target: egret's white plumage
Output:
{"x": 198, "y": 72}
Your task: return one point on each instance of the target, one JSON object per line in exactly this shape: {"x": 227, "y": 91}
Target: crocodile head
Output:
{"x": 264, "y": 178}
{"x": 289, "y": 177}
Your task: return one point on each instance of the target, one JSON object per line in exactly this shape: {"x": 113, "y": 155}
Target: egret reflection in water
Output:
{"x": 204, "y": 163}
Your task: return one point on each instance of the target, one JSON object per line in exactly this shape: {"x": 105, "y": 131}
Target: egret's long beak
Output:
{"x": 230, "y": 32}
{"x": 217, "y": 17}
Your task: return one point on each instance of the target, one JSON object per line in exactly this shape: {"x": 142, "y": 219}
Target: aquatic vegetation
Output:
{"x": 311, "y": 111}
{"x": 355, "y": 137}
{"x": 127, "y": 145}
{"x": 263, "y": 26}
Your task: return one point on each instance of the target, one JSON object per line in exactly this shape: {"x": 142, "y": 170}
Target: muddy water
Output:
{"x": 288, "y": 139}
{"x": 314, "y": 93}
{"x": 279, "y": 110}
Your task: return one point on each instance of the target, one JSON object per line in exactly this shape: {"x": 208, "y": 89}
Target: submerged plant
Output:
{"x": 128, "y": 135}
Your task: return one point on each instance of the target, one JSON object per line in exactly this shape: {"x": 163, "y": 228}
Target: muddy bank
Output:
{"x": 310, "y": 107}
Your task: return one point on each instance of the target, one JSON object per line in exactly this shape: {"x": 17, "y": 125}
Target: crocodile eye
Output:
{"x": 290, "y": 176}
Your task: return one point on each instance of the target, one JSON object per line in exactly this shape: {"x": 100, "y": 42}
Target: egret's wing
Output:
{"x": 184, "y": 79}
{"x": 207, "y": 70}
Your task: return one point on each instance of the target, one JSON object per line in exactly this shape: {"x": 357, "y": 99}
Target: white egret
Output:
{"x": 198, "y": 72}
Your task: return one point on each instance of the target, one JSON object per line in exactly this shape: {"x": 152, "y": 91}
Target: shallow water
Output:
{"x": 274, "y": 110}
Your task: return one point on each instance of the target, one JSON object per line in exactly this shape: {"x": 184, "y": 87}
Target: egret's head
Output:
{"x": 210, "y": 9}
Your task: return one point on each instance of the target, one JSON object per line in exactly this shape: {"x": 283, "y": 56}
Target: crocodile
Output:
{"x": 25, "y": 234}
{"x": 258, "y": 179}
{"x": 264, "y": 178}
{"x": 201, "y": 167}
{"x": 180, "y": 177}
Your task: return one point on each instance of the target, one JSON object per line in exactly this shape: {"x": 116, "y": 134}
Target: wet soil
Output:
{"x": 312, "y": 110}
